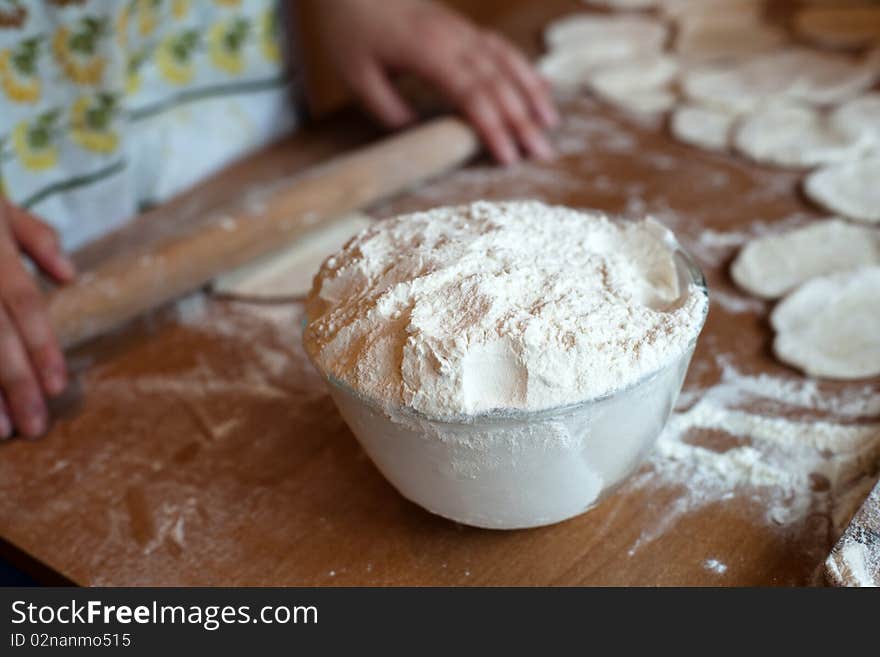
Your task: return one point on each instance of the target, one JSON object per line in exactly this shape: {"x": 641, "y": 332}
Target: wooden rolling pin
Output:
{"x": 134, "y": 282}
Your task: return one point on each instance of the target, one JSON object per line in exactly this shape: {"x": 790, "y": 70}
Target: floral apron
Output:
{"x": 107, "y": 106}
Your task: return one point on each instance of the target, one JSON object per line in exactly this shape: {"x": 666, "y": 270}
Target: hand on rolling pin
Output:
{"x": 482, "y": 74}
{"x": 32, "y": 366}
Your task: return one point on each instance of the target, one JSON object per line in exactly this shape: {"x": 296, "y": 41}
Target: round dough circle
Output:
{"x": 568, "y": 70}
{"x": 570, "y": 67}
{"x": 849, "y": 188}
{"x": 860, "y": 114}
{"x": 643, "y": 102}
{"x": 771, "y": 266}
{"x": 702, "y": 126}
{"x": 582, "y": 29}
{"x": 639, "y": 85}
{"x": 830, "y": 326}
{"x": 796, "y": 137}
{"x": 797, "y": 74}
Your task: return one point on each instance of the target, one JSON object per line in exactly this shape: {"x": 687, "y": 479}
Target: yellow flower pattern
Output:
{"x": 72, "y": 80}
{"x": 146, "y": 13}
{"x": 18, "y": 71}
{"x": 226, "y": 42}
{"x": 34, "y": 142}
{"x": 132, "y": 72}
{"x": 180, "y": 9}
{"x": 90, "y": 123}
{"x": 175, "y": 57}
{"x": 76, "y": 50}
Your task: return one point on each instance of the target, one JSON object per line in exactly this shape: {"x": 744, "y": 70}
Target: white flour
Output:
{"x": 513, "y": 306}
{"x": 855, "y": 560}
{"x": 715, "y": 566}
{"x": 788, "y": 462}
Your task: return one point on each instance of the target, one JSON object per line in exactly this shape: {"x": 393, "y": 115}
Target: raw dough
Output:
{"x": 639, "y": 85}
{"x": 860, "y": 114}
{"x": 644, "y": 102}
{"x": 702, "y": 126}
{"x": 845, "y": 27}
{"x": 569, "y": 69}
{"x": 830, "y": 327}
{"x": 797, "y": 74}
{"x": 796, "y": 136}
{"x": 849, "y": 188}
{"x": 578, "y": 30}
{"x": 771, "y": 266}
{"x": 289, "y": 273}
{"x": 724, "y": 87}
{"x": 582, "y": 43}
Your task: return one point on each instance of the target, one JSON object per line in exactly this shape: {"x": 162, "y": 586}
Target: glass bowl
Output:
{"x": 511, "y": 470}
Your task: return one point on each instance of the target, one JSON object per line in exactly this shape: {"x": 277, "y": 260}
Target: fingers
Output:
{"x": 495, "y": 106}
{"x": 482, "y": 111}
{"x": 31, "y": 363}
{"x": 531, "y": 86}
{"x": 375, "y": 90}
{"x": 507, "y": 105}
{"x": 482, "y": 74}
{"x": 24, "y": 399}
{"x": 5, "y": 420}
{"x": 518, "y": 117}
{"x": 41, "y": 243}
{"x": 26, "y": 308}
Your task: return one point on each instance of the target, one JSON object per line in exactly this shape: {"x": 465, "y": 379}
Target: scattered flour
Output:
{"x": 715, "y": 566}
{"x": 775, "y": 459}
{"x": 735, "y": 303}
{"x": 855, "y": 560}
{"x": 541, "y": 307}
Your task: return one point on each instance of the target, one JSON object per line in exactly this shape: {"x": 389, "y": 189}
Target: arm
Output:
{"x": 32, "y": 366}
{"x": 482, "y": 74}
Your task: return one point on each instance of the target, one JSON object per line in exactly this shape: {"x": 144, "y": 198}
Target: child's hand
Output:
{"x": 31, "y": 363}
{"x": 482, "y": 74}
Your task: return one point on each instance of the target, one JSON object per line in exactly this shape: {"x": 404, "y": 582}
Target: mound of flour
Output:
{"x": 508, "y": 306}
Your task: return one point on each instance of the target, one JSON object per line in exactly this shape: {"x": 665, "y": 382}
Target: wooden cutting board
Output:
{"x": 199, "y": 447}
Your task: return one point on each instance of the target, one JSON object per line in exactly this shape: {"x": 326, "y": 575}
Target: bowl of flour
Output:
{"x": 506, "y": 365}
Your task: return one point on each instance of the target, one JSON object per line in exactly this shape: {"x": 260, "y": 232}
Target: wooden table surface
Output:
{"x": 198, "y": 447}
